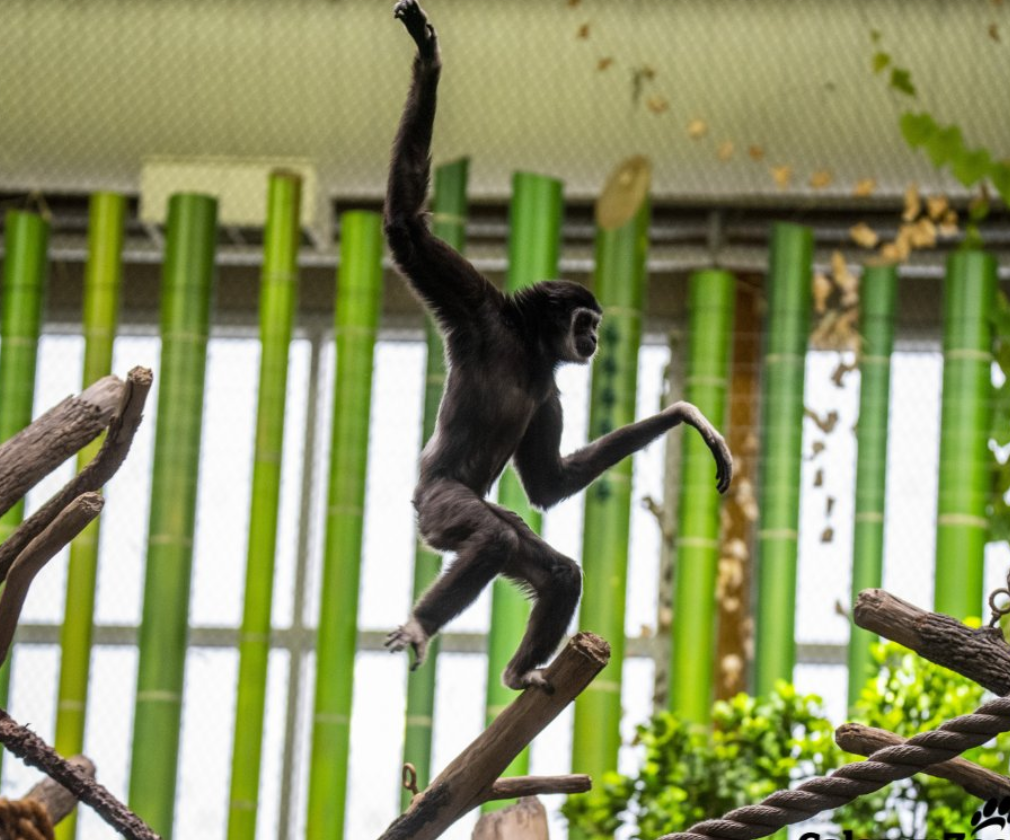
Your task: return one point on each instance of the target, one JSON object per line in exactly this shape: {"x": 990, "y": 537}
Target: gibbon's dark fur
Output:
{"x": 500, "y": 403}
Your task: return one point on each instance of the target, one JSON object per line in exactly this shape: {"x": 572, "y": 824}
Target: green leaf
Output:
{"x": 875, "y": 36}
{"x": 945, "y": 145}
{"x": 917, "y": 129}
{"x": 999, "y": 174}
{"x": 971, "y": 166}
{"x": 880, "y": 61}
{"x": 901, "y": 81}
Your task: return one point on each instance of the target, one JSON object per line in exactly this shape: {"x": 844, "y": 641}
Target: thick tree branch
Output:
{"x": 980, "y": 654}
{"x": 94, "y": 475}
{"x": 68, "y": 524}
{"x": 469, "y": 780}
{"x": 34, "y": 752}
{"x": 864, "y": 740}
{"x": 56, "y": 799}
{"x": 67, "y": 427}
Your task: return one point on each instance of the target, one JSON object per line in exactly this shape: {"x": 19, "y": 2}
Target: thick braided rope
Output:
{"x": 24, "y": 819}
{"x": 847, "y": 783}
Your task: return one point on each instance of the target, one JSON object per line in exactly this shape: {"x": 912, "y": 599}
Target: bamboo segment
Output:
{"x": 878, "y": 298}
{"x": 620, "y": 284}
{"x": 534, "y": 245}
{"x": 965, "y": 463}
{"x": 103, "y": 280}
{"x": 788, "y": 328}
{"x": 711, "y": 304}
{"x": 450, "y": 210}
{"x": 359, "y": 299}
{"x": 26, "y": 239}
{"x": 278, "y": 302}
{"x": 187, "y": 287}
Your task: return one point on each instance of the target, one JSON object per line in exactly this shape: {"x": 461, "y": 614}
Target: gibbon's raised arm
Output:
{"x": 448, "y": 285}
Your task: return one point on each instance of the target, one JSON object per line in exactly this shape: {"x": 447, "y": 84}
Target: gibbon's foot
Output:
{"x": 416, "y": 21}
{"x": 410, "y": 635}
{"x": 534, "y": 678}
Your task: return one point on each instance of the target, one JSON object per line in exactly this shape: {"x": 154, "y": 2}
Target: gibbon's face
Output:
{"x": 582, "y": 335}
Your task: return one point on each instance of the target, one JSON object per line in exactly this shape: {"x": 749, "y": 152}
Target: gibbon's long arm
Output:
{"x": 450, "y": 286}
{"x": 549, "y": 478}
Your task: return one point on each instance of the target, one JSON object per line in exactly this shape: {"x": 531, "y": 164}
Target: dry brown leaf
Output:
{"x": 696, "y": 129}
{"x": 829, "y": 505}
{"x": 573, "y": 3}
{"x": 889, "y": 252}
{"x": 657, "y": 104}
{"x": 817, "y": 448}
{"x": 819, "y": 478}
{"x": 725, "y": 151}
{"x": 865, "y": 187}
{"x": 583, "y": 31}
{"x": 923, "y": 234}
{"x": 948, "y": 224}
{"x": 756, "y": 152}
{"x": 913, "y": 203}
{"x": 846, "y": 280}
{"x": 994, "y": 32}
{"x": 821, "y": 178}
{"x": 782, "y": 175}
{"x": 864, "y": 236}
{"x": 822, "y": 290}
{"x": 604, "y": 63}
{"x": 828, "y": 535}
{"x": 937, "y": 206}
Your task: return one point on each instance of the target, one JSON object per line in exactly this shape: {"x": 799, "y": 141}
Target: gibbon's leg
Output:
{"x": 555, "y": 583}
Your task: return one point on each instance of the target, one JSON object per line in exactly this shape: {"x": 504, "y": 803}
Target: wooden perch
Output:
{"x": 470, "y": 779}
{"x": 104, "y": 465}
{"x": 515, "y": 787}
{"x": 526, "y": 820}
{"x": 38, "y": 449}
{"x": 980, "y": 654}
{"x": 68, "y": 524}
{"x": 56, "y": 799}
{"x": 864, "y": 740}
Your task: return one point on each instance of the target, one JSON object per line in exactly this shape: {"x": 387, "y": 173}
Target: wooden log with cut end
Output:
{"x": 525, "y": 820}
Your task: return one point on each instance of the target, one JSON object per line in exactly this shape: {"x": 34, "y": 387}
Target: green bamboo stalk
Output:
{"x": 878, "y": 298}
{"x": 711, "y": 304}
{"x": 187, "y": 286}
{"x": 620, "y": 284}
{"x": 965, "y": 462}
{"x": 278, "y": 302}
{"x": 788, "y": 329}
{"x": 450, "y": 209}
{"x": 359, "y": 299}
{"x": 26, "y": 240}
{"x": 534, "y": 245}
{"x": 103, "y": 279}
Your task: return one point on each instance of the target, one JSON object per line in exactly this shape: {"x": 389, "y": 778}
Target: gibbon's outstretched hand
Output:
{"x": 500, "y": 403}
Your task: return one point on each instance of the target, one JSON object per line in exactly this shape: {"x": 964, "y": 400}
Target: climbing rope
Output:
{"x": 887, "y": 765}
{"x": 24, "y": 819}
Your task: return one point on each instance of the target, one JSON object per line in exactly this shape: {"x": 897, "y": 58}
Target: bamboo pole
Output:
{"x": 962, "y": 528}
{"x": 450, "y": 226}
{"x": 26, "y": 239}
{"x": 788, "y": 327}
{"x": 622, "y": 215}
{"x": 278, "y": 302}
{"x": 103, "y": 278}
{"x": 878, "y": 298}
{"x": 534, "y": 245}
{"x": 187, "y": 284}
{"x": 359, "y": 299}
{"x": 711, "y": 303}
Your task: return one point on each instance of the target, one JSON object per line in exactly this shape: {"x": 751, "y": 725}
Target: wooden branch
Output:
{"x": 469, "y": 779}
{"x": 68, "y": 524}
{"x": 864, "y": 740}
{"x": 56, "y": 799}
{"x": 516, "y": 787}
{"x": 67, "y": 427}
{"x": 94, "y": 475}
{"x": 35, "y": 752}
{"x": 980, "y": 654}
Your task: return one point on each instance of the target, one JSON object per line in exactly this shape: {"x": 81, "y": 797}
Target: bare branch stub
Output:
{"x": 66, "y": 428}
{"x": 516, "y": 787}
{"x": 980, "y": 654}
{"x": 104, "y": 465}
{"x": 470, "y": 778}
{"x": 865, "y": 740}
